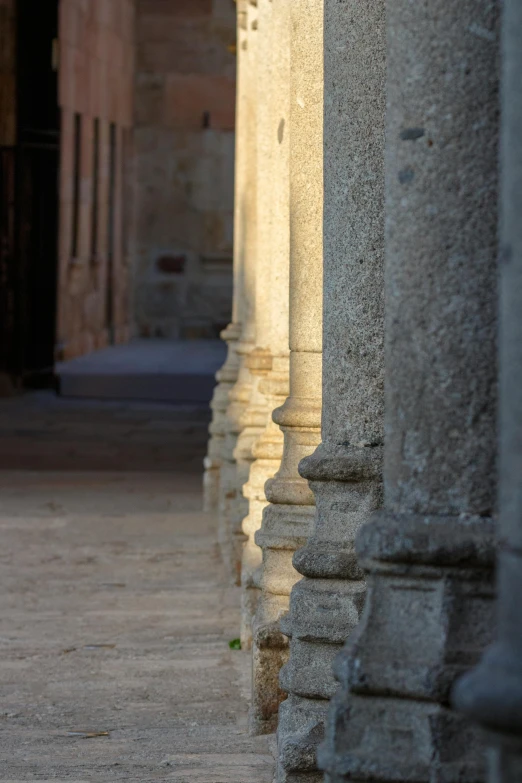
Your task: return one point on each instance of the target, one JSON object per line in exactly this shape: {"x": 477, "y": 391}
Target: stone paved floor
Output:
{"x": 40, "y": 431}
{"x": 115, "y": 616}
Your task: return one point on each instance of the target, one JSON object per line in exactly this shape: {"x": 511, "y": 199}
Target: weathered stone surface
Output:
{"x": 492, "y": 693}
{"x": 345, "y": 471}
{"x": 245, "y": 414}
{"x": 260, "y": 359}
{"x": 185, "y": 85}
{"x": 286, "y": 521}
{"x": 96, "y": 82}
{"x": 429, "y": 554}
{"x": 269, "y": 645}
{"x": 269, "y": 363}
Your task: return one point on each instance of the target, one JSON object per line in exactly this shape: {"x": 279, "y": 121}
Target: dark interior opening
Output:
{"x": 37, "y": 191}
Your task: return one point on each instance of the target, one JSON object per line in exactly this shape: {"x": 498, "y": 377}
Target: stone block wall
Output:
{"x": 96, "y": 65}
{"x": 183, "y": 167}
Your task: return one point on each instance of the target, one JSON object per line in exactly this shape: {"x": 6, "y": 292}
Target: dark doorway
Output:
{"x": 29, "y": 199}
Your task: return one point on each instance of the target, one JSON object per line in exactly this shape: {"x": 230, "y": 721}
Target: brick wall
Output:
{"x": 184, "y": 146}
{"x": 96, "y": 66}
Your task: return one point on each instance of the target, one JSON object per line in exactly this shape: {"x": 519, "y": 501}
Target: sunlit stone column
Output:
{"x": 232, "y": 505}
{"x": 429, "y": 555}
{"x": 345, "y": 472}
{"x": 266, "y": 451}
{"x": 287, "y": 520}
{"x": 492, "y": 694}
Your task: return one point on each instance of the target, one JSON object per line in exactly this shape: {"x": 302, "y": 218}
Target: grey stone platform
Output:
{"x": 180, "y": 371}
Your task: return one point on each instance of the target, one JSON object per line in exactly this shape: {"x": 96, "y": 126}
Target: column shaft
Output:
{"x": 233, "y": 506}
{"x": 259, "y": 360}
{"x": 287, "y": 519}
{"x": 345, "y": 472}
{"x": 429, "y": 555}
{"x": 492, "y": 693}
{"x": 269, "y": 361}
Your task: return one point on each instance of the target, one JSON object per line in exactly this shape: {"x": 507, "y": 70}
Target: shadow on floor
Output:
{"x": 41, "y": 431}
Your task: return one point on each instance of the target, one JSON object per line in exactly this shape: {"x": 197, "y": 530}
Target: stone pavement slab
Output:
{"x": 115, "y": 619}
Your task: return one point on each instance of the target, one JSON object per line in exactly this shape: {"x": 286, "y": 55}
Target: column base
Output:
{"x": 250, "y": 590}
{"x": 269, "y": 654}
{"x": 301, "y": 729}
{"x": 267, "y": 452}
{"x": 428, "y": 616}
{"x": 382, "y": 739}
{"x": 227, "y": 503}
{"x": 323, "y": 612}
{"x": 211, "y": 481}
{"x": 226, "y": 377}
{"x": 491, "y": 694}
{"x": 325, "y": 606}
{"x": 284, "y": 529}
{"x": 232, "y": 505}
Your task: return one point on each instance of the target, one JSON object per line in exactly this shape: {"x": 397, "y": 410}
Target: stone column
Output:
{"x": 492, "y": 694}
{"x": 429, "y": 555}
{"x": 233, "y": 506}
{"x": 259, "y": 361}
{"x": 288, "y": 519}
{"x": 345, "y": 472}
{"x": 263, "y": 456}
{"x": 215, "y": 478}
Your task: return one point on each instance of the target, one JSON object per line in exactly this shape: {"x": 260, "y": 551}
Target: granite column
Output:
{"x": 259, "y": 361}
{"x": 429, "y": 554}
{"x": 287, "y": 520}
{"x": 345, "y": 472}
{"x": 273, "y": 272}
{"x": 492, "y": 693}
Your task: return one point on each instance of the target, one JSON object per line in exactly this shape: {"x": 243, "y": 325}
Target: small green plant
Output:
{"x": 235, "y": 644}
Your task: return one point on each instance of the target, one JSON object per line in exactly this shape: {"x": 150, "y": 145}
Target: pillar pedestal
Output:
{"x": 252, "y": 424}
{"x": 267, "y": 452}
{"x": 226, "y": 377}
{"x": 286, "y": 525}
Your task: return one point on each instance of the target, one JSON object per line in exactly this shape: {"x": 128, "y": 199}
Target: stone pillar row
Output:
{"x": 265, "y": 507}
{"x": 352, "y": 461}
